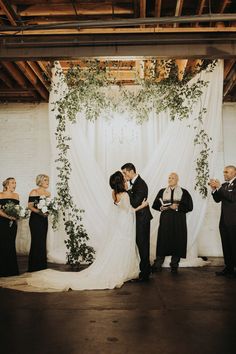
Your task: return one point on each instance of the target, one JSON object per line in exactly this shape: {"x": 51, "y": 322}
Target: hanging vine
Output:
{"x": 90, "y": 94}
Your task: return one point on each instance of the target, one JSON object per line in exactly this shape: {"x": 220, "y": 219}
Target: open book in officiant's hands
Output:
{"x": 164, "y": 204}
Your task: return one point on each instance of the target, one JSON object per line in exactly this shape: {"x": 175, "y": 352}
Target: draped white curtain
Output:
{"x": 156, "y": 148}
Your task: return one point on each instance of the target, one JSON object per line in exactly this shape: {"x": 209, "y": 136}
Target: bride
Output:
{"x": 115, "y": 264}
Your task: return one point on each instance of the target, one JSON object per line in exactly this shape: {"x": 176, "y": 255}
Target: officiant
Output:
{"x": 173, "y": 202}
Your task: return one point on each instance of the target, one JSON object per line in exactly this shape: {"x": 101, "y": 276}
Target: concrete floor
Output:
{"x": 191, "y": 313}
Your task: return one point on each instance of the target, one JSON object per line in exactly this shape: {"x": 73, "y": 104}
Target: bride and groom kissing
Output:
{"x": 138, "y": 192}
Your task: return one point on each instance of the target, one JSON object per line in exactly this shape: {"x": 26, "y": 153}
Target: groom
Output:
{"x": 138, "y": 191}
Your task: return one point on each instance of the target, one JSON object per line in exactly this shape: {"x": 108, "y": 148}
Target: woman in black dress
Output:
{"x": 38, "y": 226}
{"x": 8, "y": 230}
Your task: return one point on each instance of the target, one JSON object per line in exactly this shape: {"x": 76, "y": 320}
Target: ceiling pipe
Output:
{"x": 151, "y": 21}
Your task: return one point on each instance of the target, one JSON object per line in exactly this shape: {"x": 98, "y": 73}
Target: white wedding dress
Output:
{"x": 115, "y": 264}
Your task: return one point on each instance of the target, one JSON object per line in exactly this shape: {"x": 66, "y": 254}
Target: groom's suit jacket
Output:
{"x": 227, "y": 195}
{"x": 137, "y": 193}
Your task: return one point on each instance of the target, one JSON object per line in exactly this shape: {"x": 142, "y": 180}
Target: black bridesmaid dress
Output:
{"x": 38, "y": 228}
{"x": 8, "y": 230}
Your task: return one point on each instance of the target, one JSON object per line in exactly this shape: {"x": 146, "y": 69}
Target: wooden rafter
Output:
{"x": 201, "y": 5}
{"x": 158, "y": 9}
{"x": 178, "y": 10}
{"x": 81, "y": 9}
{"x": 231, "y": 83}
{"x": 29, "y": 73}
{"x": 33, "y": 65}
{"x": 223, "y": 5}
{"x": 15, "y": 73}
{"x": 181, "y": 65}
{"x": 228, "y": 64}
{"x": 143, "y": 5}
{"x": 9, "y": 12}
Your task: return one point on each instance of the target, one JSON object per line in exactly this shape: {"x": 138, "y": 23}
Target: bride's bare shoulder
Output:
{"x": 121, "y": 196}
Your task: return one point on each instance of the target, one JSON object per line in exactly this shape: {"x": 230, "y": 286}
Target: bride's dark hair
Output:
{"x": 117, "y": 182}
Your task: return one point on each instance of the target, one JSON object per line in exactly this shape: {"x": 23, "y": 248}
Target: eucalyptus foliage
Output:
{"x": 90, "y": 94}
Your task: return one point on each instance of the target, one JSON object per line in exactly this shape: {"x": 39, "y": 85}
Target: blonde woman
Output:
{"x": 38, "y": 225}
{"x": 8, "y": 230}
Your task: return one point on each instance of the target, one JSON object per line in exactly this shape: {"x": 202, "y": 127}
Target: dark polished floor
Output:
{"x": 191, "y": 313}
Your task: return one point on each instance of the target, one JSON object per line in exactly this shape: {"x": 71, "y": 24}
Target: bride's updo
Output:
{"x": 117, "y": 182}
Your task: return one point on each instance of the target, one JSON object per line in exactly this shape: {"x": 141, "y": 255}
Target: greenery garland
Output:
{"x": 88, "y": 95}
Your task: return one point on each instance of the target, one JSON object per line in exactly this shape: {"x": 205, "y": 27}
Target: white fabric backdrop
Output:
{"x": 158, "y": 147}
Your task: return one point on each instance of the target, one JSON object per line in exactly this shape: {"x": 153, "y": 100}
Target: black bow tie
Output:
{"x": 131, "y": 183}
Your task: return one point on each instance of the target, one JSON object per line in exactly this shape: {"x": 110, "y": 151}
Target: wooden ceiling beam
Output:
{"x": 142, "y": 11}
{"x": 178, "y": 10}
{"x": 29, "y": 73}
{"x": 16, "y": 93}
{"x": 158, "y": 9}
{"x": 143, "y": 6}
{"x": 228, "y": 64}
{"x": 181, "y": 65}
{"x": 9, "y": 11}
{"x": 33, "y": 65}
{"x": 15, "y": 73}
{"x": 201, "y": 5}
{"x": 223, "y": 6}
{"x": 94, "y": 31}
{"x": 230, "y": 84}
{"x": 97, "y": 9}
{"x": 44, "y": 68}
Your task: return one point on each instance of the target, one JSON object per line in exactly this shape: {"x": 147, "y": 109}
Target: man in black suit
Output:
{"x": 138, "y": 191}
{"x": 226, "y": 193}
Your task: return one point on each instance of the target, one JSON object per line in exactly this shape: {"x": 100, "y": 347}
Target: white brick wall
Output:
{"x": 25, "y": 152}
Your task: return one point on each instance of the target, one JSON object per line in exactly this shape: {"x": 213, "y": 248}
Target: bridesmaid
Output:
{"x": 38, "y": 226}
{"x": 8, "y": 230}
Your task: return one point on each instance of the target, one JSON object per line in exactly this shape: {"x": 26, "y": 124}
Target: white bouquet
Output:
{"x": 15, "y": 210}
{"x": 49, "y": 206}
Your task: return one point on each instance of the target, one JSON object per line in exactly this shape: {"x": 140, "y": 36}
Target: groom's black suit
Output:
{"x": 227, "y": 195}
{"x": 137, "y": 193}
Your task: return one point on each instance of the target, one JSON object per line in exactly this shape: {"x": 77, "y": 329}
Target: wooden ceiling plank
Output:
{"x": 28, "y": 72}
{"x": 143, "y": 9}
{"x": 201, "y": 5}
{"x": 223, "y": 5}
{"x": 123, "y": 30}
{"x": 43, "y": 66}
{"x": 15, "y": 73}
{"x": 38, "y": 73}
{"x": 81, "y": 9}
{"x": 228, "y": 64}
{"x": 158, "y": 9}
{"x": 178, "y": 10}
{"x": 230, "y": 84}
{"x": 143, "y": 6}
{"x": 181, "y": 65}
{"x": 9, "y": 12}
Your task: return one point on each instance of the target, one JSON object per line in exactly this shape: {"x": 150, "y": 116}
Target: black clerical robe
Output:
{"x": 172, "y": 231}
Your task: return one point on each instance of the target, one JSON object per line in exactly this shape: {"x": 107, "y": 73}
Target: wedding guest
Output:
{"x": 226, "y": 194}
{"x": 8, "y": 230}
{"x": 38, "y": 225}
{"x": 173, "y": 202}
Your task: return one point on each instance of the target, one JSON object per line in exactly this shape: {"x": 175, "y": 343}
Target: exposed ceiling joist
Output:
{"x": 29, "y": 73}
{"x": 8, "y": 10}
{"x": 15, "y": 74}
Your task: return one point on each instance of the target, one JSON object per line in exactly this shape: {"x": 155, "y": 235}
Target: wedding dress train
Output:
{"x": 115, "y": 264}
